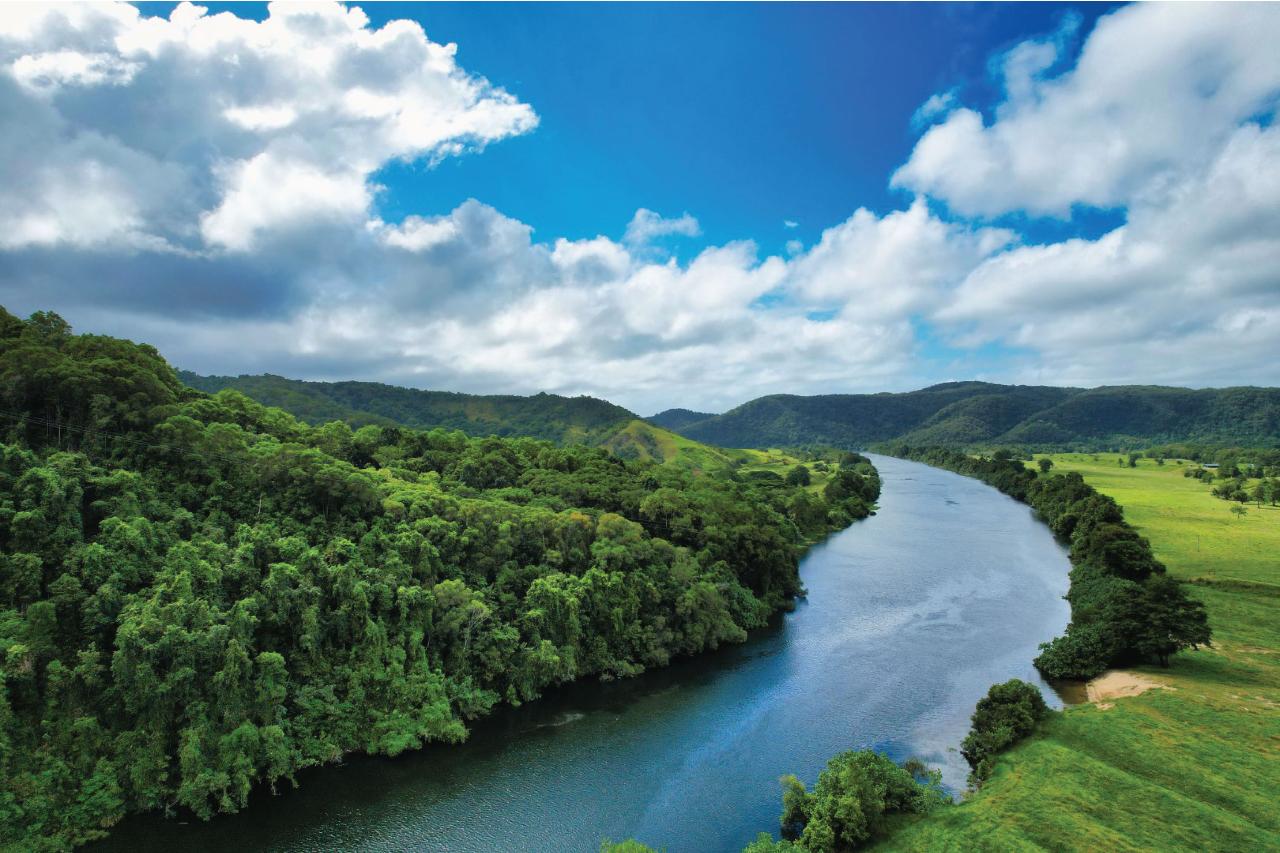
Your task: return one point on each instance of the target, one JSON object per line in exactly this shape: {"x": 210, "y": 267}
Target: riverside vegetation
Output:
{"x": 1190, "y": 767}
{"x": 199, "y": 594}
{"x": 1125, "y": 610}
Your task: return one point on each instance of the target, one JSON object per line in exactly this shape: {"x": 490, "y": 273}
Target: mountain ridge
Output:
{"x": 957, "y": 414}
{"x": 962, "y": 414}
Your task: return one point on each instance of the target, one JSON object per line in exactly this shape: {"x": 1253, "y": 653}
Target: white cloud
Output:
{"x": 48, "y": 72}
{"x": 270, "y": 190}
{"x": 195, "y": 200}
{"x": 937, "y": 104}
{"x": 416, "y": 233}
{"x": 790, "y": 223}
{"x": 646, "y": 226}
{"x": 263, "y": 126}
{"x": 1154, "y": 95}
{"x": 1188, "y": 290}
{"x": 891, "y": 265}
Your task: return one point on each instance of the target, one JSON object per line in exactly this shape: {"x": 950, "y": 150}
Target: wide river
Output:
{"x": 910, "y": 616}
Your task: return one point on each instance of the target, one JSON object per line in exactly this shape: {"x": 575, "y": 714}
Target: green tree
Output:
{"x": 1008, "y": 713}
{"x": 1172, "y": 621}
{"x": 799, "y": 476}
{"x": 852, "y": 800}
{"x": 1045, "y": 463}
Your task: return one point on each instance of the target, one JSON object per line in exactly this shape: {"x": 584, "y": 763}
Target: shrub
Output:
{"x": 1008, "y": 713}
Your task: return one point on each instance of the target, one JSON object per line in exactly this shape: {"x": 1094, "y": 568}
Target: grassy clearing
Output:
{"x": 780, "y": 463}
{"x": 1195, "y": 767}
{"x": 642, "y": 440}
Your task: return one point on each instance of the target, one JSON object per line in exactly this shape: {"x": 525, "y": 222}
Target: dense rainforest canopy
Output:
{"x": 199, "y": 594}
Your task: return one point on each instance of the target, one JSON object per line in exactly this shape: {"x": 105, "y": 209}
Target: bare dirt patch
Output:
{"x": 1117, "y": 683}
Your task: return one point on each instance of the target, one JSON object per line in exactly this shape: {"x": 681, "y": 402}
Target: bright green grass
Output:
{"x": 780, "y": 463}
{"x": 642, "y": 440}
{"x": 1195, "y": 768}
{"x": 1194, "y": 533}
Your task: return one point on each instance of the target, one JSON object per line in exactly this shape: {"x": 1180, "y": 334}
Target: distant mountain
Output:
{"x": 568, "y": 420}
{"x": 953, "y": 414}
{"x": 678, "y": 419}
{"x": 961, "y": 414}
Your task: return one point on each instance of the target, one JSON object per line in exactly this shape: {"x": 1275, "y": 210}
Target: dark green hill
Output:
{"x": 856, "y": 420}
{"x": 678, "y": 419}
{"x": 961, "y": 414}
{"x": 1144, "y": 414}
{"x": 548, "y": 416}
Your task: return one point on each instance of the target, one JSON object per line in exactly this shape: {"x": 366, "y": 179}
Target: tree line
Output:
{"x": 200, "y": 595}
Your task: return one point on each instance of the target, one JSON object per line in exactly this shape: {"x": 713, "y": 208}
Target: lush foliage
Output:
{"x": 1008, "y": 713}
{"x": 200, "y": 594}
{"x": 1124, "y": 608}
{"x": 851, "y": 804}
{"x": 968, "y": 414}
{"x": 678, "y": 419}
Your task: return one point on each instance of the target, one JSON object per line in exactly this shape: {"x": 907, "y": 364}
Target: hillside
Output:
{"x": 547, "y": 416}
{"x": 565, "y": 420}
{"x": 960, "y": 414}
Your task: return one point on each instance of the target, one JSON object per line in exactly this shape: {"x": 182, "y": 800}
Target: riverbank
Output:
{"x": 1195, "y": 767}
{"x": 910, "y": 617}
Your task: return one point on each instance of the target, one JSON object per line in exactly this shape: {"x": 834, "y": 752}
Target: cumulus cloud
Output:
{"x": 647, "y": 226}
{"x": 897, "y": 264}
{"x": 1156, "y": 91}
{"x": 205, "y": 132}
{"x": 1188, "y": 290}
{"x": 155, "y": 187}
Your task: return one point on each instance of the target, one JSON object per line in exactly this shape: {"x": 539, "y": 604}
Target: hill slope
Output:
{"x": 566, "y": 420}
{"x": 678, "y": 419}
{"x": 979, "y": 413}
{"x": 548, "y": 416}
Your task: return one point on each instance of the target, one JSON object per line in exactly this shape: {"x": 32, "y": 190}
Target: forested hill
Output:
{"x": 965, "y": 414}
{"x": 678, "y": 419}
{"x": 200, "y": 594}
{"x": 566, "y": 420}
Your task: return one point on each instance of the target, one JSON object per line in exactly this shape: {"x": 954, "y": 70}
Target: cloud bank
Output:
{"x": 201, "y": 179}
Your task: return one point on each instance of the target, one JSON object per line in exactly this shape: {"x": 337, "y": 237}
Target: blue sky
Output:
{"x": 745, "y": 115}
{"x": 595, "y": 198}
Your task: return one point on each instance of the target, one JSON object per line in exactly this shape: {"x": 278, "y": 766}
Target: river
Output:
{"x": 910, "y": 616}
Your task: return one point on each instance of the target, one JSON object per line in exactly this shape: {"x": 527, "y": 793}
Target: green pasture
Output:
{"x": 1194, "y": 767}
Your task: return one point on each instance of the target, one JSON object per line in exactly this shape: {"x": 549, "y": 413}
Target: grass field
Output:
{"x": 642, "y": 440}
{"x": 1195, "y": 767}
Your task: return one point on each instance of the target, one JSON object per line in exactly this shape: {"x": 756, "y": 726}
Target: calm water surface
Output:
{"x": 910, "y": 616}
